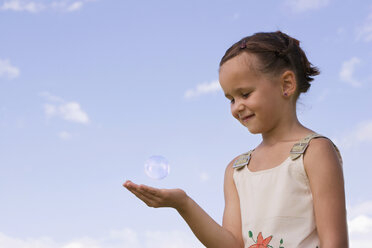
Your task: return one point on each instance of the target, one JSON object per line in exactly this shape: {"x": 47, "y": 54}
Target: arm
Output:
{"x": 231, "y": 216}
{"x": 327, "y": 186}
{"x": 210, "y": 233}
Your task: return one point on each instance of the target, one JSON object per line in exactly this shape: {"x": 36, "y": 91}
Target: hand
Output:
{"x": 153, "y": 197}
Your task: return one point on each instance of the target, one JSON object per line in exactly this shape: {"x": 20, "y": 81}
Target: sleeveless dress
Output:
{"x": 276, "y": 204}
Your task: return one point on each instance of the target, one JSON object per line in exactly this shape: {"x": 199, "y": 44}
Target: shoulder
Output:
{"x": 321, "y": 152}
{"x": 237, "y": 163}
{"x": 229, "y": 168}
{"x": 326, "y": 181}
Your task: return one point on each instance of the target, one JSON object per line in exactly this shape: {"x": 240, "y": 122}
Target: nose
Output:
{"x": 237, "y": 107}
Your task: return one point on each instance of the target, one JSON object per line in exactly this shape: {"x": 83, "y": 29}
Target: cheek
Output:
{"x": 233, "y": 112}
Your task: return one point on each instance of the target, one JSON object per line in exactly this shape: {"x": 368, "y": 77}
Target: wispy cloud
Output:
{"x": 347, "y": 72}
{"x": 39, "y": 6}
{"x": 7, "y": 70}
{"x": 68, "y": 6}
{"x": 17, "y": 5}
{"x": 50, "y": 97}
{"x": 126, "y": 238}
{"x": 305, "y": 5}
{"x": 202, "y": 89}
{"x": 364, "y": 32}
{"x": 361, "y": 133}
{"x": 69, "y": 111}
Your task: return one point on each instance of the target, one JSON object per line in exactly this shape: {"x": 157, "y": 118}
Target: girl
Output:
{"x": 289, "y": 190}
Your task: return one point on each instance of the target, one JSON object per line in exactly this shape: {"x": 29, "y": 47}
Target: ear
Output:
{"x": 288, "y": 83}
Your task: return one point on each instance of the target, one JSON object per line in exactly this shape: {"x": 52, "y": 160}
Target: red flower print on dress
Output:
{"x": 261, "y": 242}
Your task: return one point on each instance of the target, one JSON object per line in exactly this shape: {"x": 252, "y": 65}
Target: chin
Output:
{"x": 253, "y": 130}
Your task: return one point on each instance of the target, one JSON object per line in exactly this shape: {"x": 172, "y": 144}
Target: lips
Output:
{"x": 246, "y": 118}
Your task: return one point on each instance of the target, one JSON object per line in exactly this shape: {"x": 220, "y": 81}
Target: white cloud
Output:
{"x": 304, "y": 5}
{"x": 72, "y": 111}
{"x": 68, "y": 6}
{"x": 18, "y": 5}
{"x": 361, "y": 133}
{"x": 38, "y": 5}
{"x": 126, "y": 238}
{"x": 347, "y": 71}
{"x": 364, "y": 32}
{"x": 204, "y": 88}
{"x": 11, "y": 242}
{"x": 7, "y": 70}
{"x": 360, "y": 231}
{"x": 69, "y": 111}
{"x": 75, "y": 6}
{"x": 360, "y": 224}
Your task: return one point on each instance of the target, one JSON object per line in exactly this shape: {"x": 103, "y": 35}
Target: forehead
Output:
{"x": 241, "y": 69}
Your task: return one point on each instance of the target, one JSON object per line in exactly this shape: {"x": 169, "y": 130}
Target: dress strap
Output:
{"x": 297, "y": 150}
{"x": 300, "y": 147}
{"x": 242, "y": 160}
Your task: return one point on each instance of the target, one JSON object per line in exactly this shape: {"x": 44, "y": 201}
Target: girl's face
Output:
{"x": 256, "y": 98}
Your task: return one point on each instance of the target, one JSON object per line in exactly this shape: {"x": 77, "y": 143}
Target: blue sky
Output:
{"x": 90, "y": 89}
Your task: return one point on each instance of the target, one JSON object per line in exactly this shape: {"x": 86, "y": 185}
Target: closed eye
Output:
{"x": 246, "y": 95}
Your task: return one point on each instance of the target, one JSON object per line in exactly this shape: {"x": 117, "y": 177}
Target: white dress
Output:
{"x": 276, "y": 204}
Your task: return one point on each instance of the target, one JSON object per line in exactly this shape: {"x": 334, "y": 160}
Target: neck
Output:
{"x": 287, "y": 129}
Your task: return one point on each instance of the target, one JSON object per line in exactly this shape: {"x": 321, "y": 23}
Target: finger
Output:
{"x": 150, "y": 190}
{"x": 126, "y": 183}
{"x": 138, "y": 189}
{"x": 129, "y": 184}
{"x": 149, "y": 201}
{"x": 151, "y": 194}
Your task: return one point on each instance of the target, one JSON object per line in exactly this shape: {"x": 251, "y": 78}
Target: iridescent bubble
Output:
{"x": 157, "y": 167}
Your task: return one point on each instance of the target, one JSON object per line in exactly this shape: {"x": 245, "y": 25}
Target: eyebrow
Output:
{"x": 240, "y": 89}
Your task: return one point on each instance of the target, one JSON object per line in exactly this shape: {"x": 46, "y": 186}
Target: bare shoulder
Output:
{"x": 229, "y": 168}
{"x": 321, "y": 152}
{"x": 324, "y": 170}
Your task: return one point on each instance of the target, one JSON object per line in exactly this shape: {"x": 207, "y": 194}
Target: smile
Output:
{"x": 246, "y": 118}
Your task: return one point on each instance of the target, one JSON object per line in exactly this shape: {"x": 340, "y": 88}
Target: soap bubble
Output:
{"x": 157, "y": 167}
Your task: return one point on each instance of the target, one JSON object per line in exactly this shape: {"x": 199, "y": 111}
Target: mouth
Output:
{"x": 247, "y": 118}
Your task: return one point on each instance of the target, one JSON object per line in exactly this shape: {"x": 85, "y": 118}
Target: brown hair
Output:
{"x": 276, "y": 51}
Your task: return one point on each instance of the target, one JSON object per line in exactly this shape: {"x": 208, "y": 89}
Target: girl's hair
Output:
{"x": 276, "y": 52}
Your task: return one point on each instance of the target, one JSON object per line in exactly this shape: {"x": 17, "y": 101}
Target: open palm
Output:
{"x": 154, "y": 197}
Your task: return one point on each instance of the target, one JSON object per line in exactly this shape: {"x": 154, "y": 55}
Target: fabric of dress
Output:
{"x": 276, "y": 204}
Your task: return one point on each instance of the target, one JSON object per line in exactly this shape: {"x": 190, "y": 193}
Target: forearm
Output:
{"x": 335, "y": 240}
{"x": 209, "y": 232}
{"x": 337, "y": 244}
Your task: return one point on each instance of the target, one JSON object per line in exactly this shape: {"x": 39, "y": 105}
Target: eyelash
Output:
{"x": 243, "y": 95}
